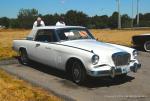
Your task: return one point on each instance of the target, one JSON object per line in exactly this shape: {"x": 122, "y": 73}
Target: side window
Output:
{"x": 46, "y": 35}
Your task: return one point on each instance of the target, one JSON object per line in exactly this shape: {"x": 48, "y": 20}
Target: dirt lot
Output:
{"x": 135, "y": 87}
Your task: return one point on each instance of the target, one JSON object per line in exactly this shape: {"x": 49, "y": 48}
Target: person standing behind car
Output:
{"x": 38, "y": 23}
{"x": 61, "y": 22}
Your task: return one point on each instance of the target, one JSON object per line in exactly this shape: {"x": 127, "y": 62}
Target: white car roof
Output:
{"x": 57, "y": 27}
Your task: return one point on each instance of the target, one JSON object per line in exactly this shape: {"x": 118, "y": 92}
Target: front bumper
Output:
{"x": 113, "y": 71}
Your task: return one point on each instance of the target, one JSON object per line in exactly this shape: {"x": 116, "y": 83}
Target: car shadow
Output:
{"x": 107, "y": 81}
{"x": 90, "y": 83}
{"x": 47, "y": 69}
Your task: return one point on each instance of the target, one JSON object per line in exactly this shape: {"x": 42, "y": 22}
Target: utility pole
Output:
{"x": 137, "y": 13}
{"x": 132, "y": 15}
{"x": 119, "y": 16}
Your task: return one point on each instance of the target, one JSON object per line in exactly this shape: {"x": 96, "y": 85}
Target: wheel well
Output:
{"x": 69, "y": 63}
{"x": 21, "y": 48}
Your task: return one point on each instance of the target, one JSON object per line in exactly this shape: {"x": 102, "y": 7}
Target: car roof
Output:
{"x": 57, "y": 27}
{"x": 146, "y": 34}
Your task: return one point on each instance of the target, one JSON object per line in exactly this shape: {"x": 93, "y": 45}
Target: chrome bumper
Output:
{"x": 113, "y": 71}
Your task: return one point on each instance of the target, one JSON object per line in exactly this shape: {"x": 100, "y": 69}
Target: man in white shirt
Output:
{"x": 61, "y": 22}
{"x": 38, "y": 23}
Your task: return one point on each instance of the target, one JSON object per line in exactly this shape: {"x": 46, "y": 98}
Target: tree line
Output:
{"x": 26, "y": 18}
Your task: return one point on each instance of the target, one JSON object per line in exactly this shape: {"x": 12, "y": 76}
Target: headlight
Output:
{"x": 135, "y": 53}
{"x": 95, "y": 59}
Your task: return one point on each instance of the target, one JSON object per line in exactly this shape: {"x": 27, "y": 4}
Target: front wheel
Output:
{"x": 147, "y": 46}
{"x": 24, "y": 57}
{"x": 78, "y": 72}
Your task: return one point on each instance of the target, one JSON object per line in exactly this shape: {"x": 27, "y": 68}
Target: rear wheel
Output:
{"x": 78, "y": 72}
{"x": 24, "y": 57}
{"x": 147, "y": 46}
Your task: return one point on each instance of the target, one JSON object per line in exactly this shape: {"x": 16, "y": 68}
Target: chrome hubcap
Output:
{"x": 147, "y": 46}
{"x": 76, "y": 72}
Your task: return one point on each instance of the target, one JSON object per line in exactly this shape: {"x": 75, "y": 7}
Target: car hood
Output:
{"x": 93, "y": 45}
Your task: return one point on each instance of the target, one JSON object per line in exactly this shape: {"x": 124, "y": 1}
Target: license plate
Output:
{"x": 124, "y": 69}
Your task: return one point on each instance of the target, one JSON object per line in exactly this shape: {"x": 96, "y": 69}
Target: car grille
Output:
{"x": 121, "y": 58}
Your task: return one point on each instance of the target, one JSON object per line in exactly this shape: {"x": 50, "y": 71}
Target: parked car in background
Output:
{"x": 142, "y": 40}
{"x": 74, "y": 49}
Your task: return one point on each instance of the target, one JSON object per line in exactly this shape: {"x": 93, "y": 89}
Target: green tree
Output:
{"x": 145, "y": 20}
{"x": 126, "y": 21}
{"x": 73, "y": 17}
{"x": 26, "y": 17}
{"x": 14, "y": 23}
{"x": 4, "y": 21}
{"x": 100, "y": 21}
{"x": 113, "y": 20}
{"x": 50, "y": 19}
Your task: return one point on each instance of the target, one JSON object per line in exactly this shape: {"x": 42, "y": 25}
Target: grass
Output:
{"x": 6, "y": 39}
{"x": 122, "y": 37}
{"x": 13, "y": 89}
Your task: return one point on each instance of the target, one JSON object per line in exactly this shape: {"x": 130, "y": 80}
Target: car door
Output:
{"x": 44, "y": 43}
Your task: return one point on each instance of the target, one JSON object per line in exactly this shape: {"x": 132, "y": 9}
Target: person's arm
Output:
{"x": 64, "y": 23}
{"x": 35, "y": 24}
{"x": 42, "y": 23}
{"x": 57, "y": 24}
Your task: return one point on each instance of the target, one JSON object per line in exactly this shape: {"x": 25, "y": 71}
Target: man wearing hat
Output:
{"x": 38, "y": 23}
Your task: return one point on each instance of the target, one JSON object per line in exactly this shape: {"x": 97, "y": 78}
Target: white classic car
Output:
{"x": 74, "y": 49}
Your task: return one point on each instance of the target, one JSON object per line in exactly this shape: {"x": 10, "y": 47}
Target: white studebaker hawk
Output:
{"x": 74, "y": 49}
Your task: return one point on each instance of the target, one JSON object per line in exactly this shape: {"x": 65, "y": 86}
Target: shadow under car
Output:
{"x": 92, "y": 82}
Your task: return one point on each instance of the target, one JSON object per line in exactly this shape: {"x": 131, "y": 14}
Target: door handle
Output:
{"x": 37, "y": 45}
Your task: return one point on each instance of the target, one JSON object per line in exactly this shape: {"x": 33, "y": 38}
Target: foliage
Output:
{"x": 126, "y": 21}
{"x": 113, "y": 20}
{"x": 26, "y": 18}
{"x": 4, "y": 21}
{"x": 100, "y": 21}
{"x": 76, "y": 18}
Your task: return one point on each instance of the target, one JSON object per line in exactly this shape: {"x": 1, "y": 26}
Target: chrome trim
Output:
{"x": 121, "y": 58}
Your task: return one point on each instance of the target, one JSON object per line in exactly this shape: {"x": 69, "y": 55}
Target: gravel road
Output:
{"x": 135, "y": 87}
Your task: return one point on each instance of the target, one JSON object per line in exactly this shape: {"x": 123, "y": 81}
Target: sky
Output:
{"x": 10, "y": 8}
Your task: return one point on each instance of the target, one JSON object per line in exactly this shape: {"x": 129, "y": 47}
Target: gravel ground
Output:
{"x": 135, "y": 87}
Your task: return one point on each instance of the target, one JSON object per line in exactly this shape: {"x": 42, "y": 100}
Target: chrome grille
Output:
{"x": 121, "y": 58}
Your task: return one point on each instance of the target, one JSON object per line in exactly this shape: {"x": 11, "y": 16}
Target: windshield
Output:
{"x": 74, "y": 34}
